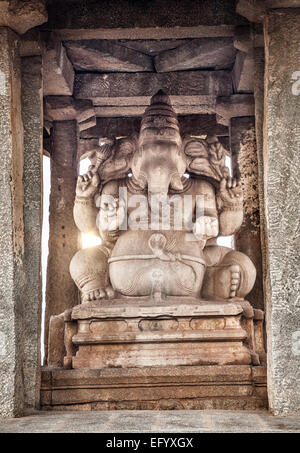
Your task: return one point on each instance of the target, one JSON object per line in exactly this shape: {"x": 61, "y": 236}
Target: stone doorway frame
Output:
{"x": 277, "y": 132}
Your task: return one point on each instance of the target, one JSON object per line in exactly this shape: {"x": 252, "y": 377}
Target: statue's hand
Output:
{"x": 87, "y": 185}
{"x": 112, "y": 213}
{"x": 206, "y": 227}
{"x": 230, "y": 193}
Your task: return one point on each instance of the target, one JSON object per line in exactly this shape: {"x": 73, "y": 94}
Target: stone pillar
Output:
{"x": 19, "y": 325}
{"x": 282, "y": 201}
{"x": 245, "y": 166}
{"x": 61, "y": 291}
{"x": 12, "y": 277}
{"x": 32, "y": 113}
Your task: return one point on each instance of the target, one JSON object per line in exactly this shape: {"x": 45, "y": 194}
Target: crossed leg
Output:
{"x": 228, "y": 274}
{"x": 89, "y": 270}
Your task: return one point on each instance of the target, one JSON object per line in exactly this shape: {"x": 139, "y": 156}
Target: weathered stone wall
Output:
{"x": 258, "y": 82}
{"x": 12, "y": 277}
{"x": 32, "y": 113}
{"x": 282, "y": 201}
{"x": 245, "y": 166}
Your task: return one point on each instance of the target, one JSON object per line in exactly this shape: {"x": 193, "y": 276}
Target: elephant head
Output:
{"x": 159, "y": 162}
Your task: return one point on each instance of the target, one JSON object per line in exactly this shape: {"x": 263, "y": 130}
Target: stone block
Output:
{"x": 58, "y": 70}
{"x": 12, "y": 277}
{"x": 106, "y": 56}
{"x": 156, "y": 388}
{"x": 217, "y": 53}
{"x": 242, "y": 73}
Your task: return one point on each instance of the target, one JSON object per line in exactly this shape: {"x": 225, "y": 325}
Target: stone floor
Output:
{"x": 150, "y": 421}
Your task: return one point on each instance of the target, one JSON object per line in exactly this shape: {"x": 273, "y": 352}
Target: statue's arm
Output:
{"x": 85, "y": 210}
{"x": 230, "y": 203}
{"x": 230, "y": 221}
{"x": 109, "y": 214}
{"x": 206, "y": 222}
{"x": 85, "y": 214}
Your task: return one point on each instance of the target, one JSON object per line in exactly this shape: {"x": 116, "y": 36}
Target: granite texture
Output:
{"x": 21, "y": 15}
{"x": 245, "y": 166}
{"x": 282, "y": 170}
{"x": 12, "y": 277}
{"x": 32, "y": 113}
{"x": 149, "y": 13}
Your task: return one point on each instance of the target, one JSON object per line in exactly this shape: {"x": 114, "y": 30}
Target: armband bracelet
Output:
{"x": 85, "y": 201}
{"x": 231, "y": 207}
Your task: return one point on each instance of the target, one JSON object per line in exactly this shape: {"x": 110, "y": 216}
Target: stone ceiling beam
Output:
{"x": 136, "y": 89}
{"x": 149, "y": 13}
{"x": 152, "y": 33}
{"x": 104, "y": 55}
{"x": 282, "y": 4}
{"x": 58, "y": 72}
{"x": 255, "y": 10}
{"x": 218, "y": 53}
{"x": 204, "y": 106}
{"x": 242, "y": 73}
{"x": 228, "y": 107}
{"x": 22, "y": 15}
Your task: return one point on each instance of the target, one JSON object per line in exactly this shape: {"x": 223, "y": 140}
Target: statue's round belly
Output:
{"x": 146, "y": 262}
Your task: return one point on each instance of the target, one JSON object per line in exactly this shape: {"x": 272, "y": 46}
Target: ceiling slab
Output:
{"x": 103, "y": 55}
{"x": 218, "y": 53}
{"x": 95, "y": 14}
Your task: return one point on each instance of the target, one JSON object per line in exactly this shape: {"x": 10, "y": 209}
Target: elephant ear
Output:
{"x": 111, "y": 157}
{"x": 118, "y": 163}
{"x": 97, "y": 150}
{"x": 205, "y": 157}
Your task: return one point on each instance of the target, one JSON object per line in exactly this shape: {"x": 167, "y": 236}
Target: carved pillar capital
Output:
{"x": 22, "y": 15}
{"x": 66, "y": 108}
{"x": 237, "y": 105}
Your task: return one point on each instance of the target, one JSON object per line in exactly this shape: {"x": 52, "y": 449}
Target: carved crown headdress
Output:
{"x": 159, "y": 121}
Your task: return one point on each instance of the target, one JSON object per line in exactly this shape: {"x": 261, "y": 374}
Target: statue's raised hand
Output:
{"x": 88, "y": 184}
{"x": 230, "y": 193}
{"x": 111, "y": 214}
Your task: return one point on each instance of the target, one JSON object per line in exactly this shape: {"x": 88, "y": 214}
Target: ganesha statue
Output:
{"x": 159, "y": 201}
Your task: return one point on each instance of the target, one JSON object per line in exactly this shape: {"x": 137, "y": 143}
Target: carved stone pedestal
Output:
{"x": 138, "y": 353}
{"x": 157, "y": 388}
{"x": 173, "y": 332}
